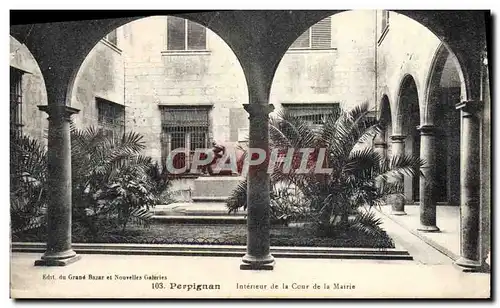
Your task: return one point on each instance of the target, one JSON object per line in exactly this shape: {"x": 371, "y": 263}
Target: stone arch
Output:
{"x": 444, "y": 89}
{"x": 383, "y": 90}
{"x": 33, "y": 87}
{"x": 385, "y": 119}
{"x": 441, "y": 56}
{"x": 322, "y": 76}
{"x": 384, "y": 113}
{"x": 406, "y": 81}
{"x": 441, "y": 23}
{"x": 384, "y": 96}
{"x": 407, "y": 121}
{"x": 196, "y": 18}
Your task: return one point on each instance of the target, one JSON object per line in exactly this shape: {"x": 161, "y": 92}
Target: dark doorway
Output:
{"x": 411, "y": 120}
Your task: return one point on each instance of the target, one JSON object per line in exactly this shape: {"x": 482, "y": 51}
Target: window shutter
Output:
{"x": 176, "y": 33}
{"x": 322, "y": 34}
{"x": 197, "y": 36}
{"x": 302, "y": 41}
{"x": 112, "y": 37}
{"x": 110, "y": 118}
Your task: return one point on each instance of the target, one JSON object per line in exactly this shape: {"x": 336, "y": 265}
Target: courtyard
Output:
{"x": 102, "y": 199}
{"x": 428, "y": 274}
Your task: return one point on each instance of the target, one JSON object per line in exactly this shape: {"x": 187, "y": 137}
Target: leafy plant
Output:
{"x": 112, "y": 184}
{"x": 112, "y": 181}
{"x": 28, "y": 171}
{"x": 359, "y": 177}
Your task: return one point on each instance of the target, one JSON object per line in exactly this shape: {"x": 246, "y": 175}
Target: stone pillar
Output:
{"x": 470, "y": 186}
{"x": 427, "y": 182}
{"x": 58, "y": 251}
{"x": 380, "y": 145}
{"x": 258, "y": 199}
{"x": 398, "y": 149}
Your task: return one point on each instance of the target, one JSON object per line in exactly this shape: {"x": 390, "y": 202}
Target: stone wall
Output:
{"x": 407, "y": 48}
{"x": 344, "y": 74}
{"x": 33, "y": 87}
{"x": 155, "y": 78}
{"x": 100, "y": 76}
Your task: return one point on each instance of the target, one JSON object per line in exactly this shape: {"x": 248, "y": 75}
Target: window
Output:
{"x": 384, "y": 23}
{"x": 112, "y": 37}
{"x": 184, "y": 128}
{"x": 16, "y": 100}
{"x": 183, "y": 34}
{"x": 313, "y": 114}
{"x": 111, "y": 118}
{"x": 319, "y": 36}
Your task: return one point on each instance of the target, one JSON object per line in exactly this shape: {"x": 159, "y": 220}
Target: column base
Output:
{"x": 254, "y": 263}
{"x": 468, "y": 265}
{"x": 58, "y": 259}
{"x": 398, "y": 213}
{"x": 428, "y": 228}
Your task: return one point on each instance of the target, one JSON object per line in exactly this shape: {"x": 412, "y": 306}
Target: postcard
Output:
{"x": 251, "y": 154}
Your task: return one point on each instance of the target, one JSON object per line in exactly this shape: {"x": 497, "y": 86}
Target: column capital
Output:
{"x": 398, "y": 138}
{"x": 469, "y": 107}
{"x": 63, "y": 111}
{"x": 258, "y": 110}
{"x": 427, "y": 130}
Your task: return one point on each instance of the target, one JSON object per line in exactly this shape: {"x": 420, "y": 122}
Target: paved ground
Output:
{"x": 361, "y": 278}
{"x": 430, "y": 274}
{"x": 447, "y": 219}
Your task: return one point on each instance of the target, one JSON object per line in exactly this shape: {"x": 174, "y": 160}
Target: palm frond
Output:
{"x": 238, "y": 198}
{"x": 400, "y": 165}
{"x": 365, "y": 222}
{"x": 141, "y": 216}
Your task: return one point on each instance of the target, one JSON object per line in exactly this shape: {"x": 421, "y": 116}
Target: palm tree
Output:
{"x": 359, "y": 178}
{"x": 28, "y": 171}
{"x": 112, "y": 180}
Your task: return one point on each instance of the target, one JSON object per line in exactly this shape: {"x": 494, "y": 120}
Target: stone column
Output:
{"x": 427, "y": 182}
{"x": 58, "y": 251}
{"x": 258, "y": 199}
{"x": 398, "y": 149}
{"x": 380, "y": 145}
{"x": 470, "y": 185}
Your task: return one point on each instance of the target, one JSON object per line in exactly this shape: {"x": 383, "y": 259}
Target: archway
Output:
{"x": 385, "y": 119}
{"x": 27, "y": 91}
{"x": 409, "y": 117}
{"x": 325, "y": 63}
{"x": 175, "y": 82}
{"x": 445, "y": 88}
